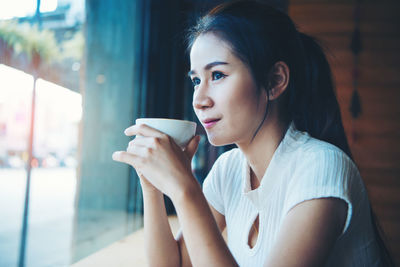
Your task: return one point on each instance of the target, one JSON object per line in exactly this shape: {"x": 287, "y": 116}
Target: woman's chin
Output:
{"x": 217, "y": 140}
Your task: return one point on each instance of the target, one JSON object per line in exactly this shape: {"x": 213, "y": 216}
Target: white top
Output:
{"x": 302, "y": 168}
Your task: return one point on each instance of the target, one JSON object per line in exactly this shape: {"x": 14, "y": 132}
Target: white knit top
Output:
{"x": 302, "y": 168}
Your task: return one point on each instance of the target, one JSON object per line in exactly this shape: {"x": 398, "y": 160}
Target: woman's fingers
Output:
{"x": 191, "y": 148}
{"x": 138, "y": 150}
{"x": 125, "y": 157}
{"x": 143, "y": 130}
{"x": 144, "y": 141}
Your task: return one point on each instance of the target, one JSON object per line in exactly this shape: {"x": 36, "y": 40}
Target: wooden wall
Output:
{"x": 375, "y": 136}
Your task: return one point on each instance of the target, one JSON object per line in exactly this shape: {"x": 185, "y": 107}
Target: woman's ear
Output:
{"x": 278, "y": 79}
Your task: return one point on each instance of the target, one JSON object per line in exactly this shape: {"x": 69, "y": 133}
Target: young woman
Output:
{"x": 290, "y": 194}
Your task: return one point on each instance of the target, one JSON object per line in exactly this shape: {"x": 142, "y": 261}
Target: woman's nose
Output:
{"x": 201, "y": 99}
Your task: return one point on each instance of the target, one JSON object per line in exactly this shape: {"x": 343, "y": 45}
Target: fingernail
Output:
{"x": 115, "y": 155}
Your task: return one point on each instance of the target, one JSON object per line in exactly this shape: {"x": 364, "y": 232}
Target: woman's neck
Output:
{"x": 260, "y": 150}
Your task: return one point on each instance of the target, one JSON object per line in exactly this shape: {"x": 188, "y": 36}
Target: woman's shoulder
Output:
{"x": 302, "y": 144}
{"x": 323, "y": 158}
{"x": 230, "y": 157}
{"x": 301, "y": 148}
{"x": 314, "y": 147}
{"x": 229, "y": 164}
{"x": 224, "y": 176}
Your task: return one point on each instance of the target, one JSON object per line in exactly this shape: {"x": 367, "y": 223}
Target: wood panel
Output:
{"x": 377, "y": 127}
{"x": 377, "y": 19}
{"x": 374, "y": 137}
{"x": 371, "y": 43}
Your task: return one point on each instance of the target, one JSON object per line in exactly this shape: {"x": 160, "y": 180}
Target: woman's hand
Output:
{"x": 147, "y": 187}
{"x": 158, "y": 159}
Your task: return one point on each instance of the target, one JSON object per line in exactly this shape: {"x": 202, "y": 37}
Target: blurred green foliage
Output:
{"x": 28, "y": 39}
{"x": 74, "y": 47}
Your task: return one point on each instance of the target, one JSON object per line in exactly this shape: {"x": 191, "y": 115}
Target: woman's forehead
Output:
{"x": 209, "y": 48}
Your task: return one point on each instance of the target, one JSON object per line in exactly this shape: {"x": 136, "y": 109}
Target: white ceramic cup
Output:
{"x": 180, "y": 130}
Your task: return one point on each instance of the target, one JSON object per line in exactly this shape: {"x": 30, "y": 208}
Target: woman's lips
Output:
{"x": 210, "y": 124}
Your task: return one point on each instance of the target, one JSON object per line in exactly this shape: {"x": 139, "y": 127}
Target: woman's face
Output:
{"x": 224, "y": 92}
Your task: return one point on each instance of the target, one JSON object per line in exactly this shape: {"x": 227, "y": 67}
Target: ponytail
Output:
{"x": 319, "y": 115}
{"x": 319, "y": 112}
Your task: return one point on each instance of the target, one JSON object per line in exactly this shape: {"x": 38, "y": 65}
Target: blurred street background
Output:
{"x": 57, "y": 37}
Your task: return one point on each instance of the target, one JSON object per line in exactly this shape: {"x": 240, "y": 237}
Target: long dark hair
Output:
{"x": 260, "y": 36}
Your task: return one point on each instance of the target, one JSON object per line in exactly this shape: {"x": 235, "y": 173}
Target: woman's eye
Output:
{"x": 195, "y": 81}
{"x": 216, "y": 75}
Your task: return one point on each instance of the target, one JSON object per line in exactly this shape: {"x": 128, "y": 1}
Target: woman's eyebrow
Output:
{"x": 209, "y": 66}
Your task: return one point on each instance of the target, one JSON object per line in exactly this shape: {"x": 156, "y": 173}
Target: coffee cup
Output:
{"x": 181, "y": 131}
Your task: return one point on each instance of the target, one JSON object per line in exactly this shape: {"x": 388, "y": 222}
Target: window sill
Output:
{"x": 128, "y": 251}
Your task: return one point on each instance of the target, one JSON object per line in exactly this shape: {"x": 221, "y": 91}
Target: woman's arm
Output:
{"x": 308, "y": 233}
{"x": 161, "y": 247}
{"x": 185, "y": 260}
{"x": 168, "y": 168}
{"x": 202, "y": 236}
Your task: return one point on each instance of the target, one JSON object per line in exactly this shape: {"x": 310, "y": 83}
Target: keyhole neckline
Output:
{"x": 254, "y": 249}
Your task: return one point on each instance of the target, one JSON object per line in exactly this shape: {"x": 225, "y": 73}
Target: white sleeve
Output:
{"x": 212, "y": 185}
{"x": 323, "y": 174}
